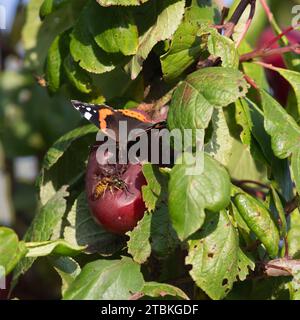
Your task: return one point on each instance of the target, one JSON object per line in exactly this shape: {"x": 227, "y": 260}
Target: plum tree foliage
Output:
{"x": 192, "y": 64}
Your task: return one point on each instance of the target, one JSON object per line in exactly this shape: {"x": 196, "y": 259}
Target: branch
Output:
{"x": 292, "y": 205}
{"x": 228, "y": 30}
{"x": 248, "y": 24}
{"x": 270, "y": 16}
{"x": 235, "y": 18}
{"x": 269, "y": 52}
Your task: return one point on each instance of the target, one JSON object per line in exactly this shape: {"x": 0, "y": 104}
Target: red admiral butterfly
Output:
{"x": 105, "y": 117}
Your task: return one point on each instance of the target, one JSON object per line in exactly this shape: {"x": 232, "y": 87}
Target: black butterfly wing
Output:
{"x": 91, "y": 112}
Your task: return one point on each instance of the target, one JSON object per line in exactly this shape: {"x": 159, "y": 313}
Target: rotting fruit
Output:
{"x": 114, "y": 193}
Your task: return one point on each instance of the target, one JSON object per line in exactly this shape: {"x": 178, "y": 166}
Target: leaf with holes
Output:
{"x": 162, "y": 290}
{"x": 224, "y": 48}
{"x": 213, "y": 254}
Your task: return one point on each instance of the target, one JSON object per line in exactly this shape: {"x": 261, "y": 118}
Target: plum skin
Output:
{"x": 120, "y": 210}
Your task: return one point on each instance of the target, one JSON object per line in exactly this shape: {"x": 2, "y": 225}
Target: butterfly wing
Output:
{"x": 95, "y": 113}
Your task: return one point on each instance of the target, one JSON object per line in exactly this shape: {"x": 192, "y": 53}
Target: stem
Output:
{"x": 291, "y": 206}
{"x": 286, "y": 245}
{"x": 279, "y": 37}
{"x": 269, "y": 52}
{"x": 235, "y": 18}
{"x": 271, "y": 19}
{"x": 248, "y": 24}
{"x": 262, "y": 185}
{"x": 251, "y": 82}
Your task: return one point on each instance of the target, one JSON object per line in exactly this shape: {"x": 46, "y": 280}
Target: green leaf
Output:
{"x": 81, "y": 230}
{"x": 283, "y": 129}
{"x": 279, "y": 168}
{"x": 164, "y": 239}
{"x": 57, "y": 51}
{"x": 77, "y": 76}
{"x": 213, "y": 254}
{"x": 293, "y": 235}
{"x": 296, "y": 168}
{"x": 293, "y": 78}
{"x": 139, "y": 245}
{"x": 160, "y": 290}
{"x": 50, "y": 6}
{"x": 259, "y": 220}
{"x": 85, "y": 51}
{"x": 68, "y": 269}
{"x": 280, "y": 210}
{"x": 106, "y": 280}
{"x": 245, "y": 264}
{"x": 42, "y": 226}
{"x": 242, "y": 165}
{"x": 59, "y": 247}
{"x": 188, "y": 42}
{"x": 202, "y": 91}
{"x": 157, "y": 21}
{"x": 11, "y": 250}
{"x": 63, "y": 143}
{"x": 113, "y": 84}
{"x": 257, "y": 73}
{"x": 257, "y": 128}
{"x": 243, "y": 118}
{"x": 37, "y": 36}
{"x": 295, "y": 286}
{"x": 224, "y": 48}
{"x": 242, "y": 226}
{"x": 220, "y": 145}
{"x": 190, "y": 193}
{"x": 107, "y": 3}
{"x": 154, "y": 191}
{"x": 116, "y": 31}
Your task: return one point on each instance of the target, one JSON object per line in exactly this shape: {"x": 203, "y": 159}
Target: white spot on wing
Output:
{"x": 88, "y": 109}
{"x": 88, "y": 115}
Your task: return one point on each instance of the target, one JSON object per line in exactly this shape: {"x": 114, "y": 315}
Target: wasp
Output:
{"x": 108, "y": 183}
{"x": 41, "y": 80}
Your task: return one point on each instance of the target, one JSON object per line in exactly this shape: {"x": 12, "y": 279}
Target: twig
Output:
{"x": 242, "y": 182}
{"x": 279, "y": 36}
{"x": 224, "y": 15}
{"x": 236, "y": 16}
{"x": 248, "y": 24}
{"x": 291, "y": 206}
{"x": 286, "y": 247}
{"x": 228, "y": 31}
{"x": 269, "y": 52}
{"x": 271, "y": 19}
{"x": 267, "y": 10}
{"x": 251, "y": 82}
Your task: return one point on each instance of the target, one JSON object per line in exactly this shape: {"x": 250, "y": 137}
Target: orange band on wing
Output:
{"x": 135, "y": 114}
{"x": 103, "y": 113}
